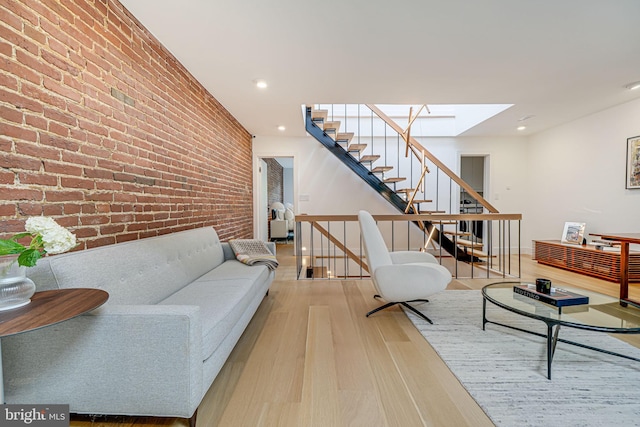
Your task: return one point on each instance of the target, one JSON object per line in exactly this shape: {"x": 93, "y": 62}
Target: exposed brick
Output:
{"x": 37, "y": 179}
{"x": 30, "y": 209}
{"x": 7, "y": 177}
{"x": 18, "y": 193}
{"x": 112, "y": 171}
{"x": 62, "y": 169}
{"x": 87, "y": 184}
{"x": 63, "y": 196}
{"x": 53, "y": 210}
{"x": 8, "y": 210}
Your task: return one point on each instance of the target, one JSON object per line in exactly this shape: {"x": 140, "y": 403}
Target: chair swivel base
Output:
{"x": 404, "y": 304}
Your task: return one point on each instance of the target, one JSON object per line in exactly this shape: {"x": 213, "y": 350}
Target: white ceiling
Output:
{"x": 556, "y": 60}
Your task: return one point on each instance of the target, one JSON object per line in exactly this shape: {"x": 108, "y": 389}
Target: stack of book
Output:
{"x": 559, "y": 298}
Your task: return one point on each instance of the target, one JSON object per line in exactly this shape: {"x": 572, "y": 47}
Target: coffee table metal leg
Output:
{"x": 552, "y": 340}
{"x": 484, "y": 312}
{"x": 549, "y": 349}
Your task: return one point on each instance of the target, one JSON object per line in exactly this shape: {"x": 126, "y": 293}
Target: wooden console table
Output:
{"x": 587, "y": 260}
{"x": 627, "y": 262}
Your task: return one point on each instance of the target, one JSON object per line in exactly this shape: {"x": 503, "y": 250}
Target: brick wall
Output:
{"x": 275, "y": 190}
{"x": 102, "y": 129}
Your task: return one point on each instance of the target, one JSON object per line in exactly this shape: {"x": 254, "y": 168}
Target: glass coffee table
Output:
{"x": 601, "y": 314}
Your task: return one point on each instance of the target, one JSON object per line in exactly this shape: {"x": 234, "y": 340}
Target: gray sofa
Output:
{"x": 178, "y": 303}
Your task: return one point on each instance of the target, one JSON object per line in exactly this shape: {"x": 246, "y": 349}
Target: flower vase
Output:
{"x": 16, "y": 289}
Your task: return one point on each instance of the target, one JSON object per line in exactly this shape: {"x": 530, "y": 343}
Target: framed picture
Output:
{"x": 633, "y": 162}
{"x": 573, "y": 232}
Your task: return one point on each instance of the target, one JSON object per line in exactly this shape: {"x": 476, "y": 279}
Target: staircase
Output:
{"x": 397, "y": 183}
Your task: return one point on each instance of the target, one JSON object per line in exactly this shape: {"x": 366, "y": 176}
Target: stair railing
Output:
{"x": 330, "y": 246}
{"x": 369, "y": 126}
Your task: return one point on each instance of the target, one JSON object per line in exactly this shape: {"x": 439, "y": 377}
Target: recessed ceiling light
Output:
{"x": 261, "y": 84}
{"x": 281, "y": 128}
{"x": 632, "y": 86}
{"x": 521, "y": 127}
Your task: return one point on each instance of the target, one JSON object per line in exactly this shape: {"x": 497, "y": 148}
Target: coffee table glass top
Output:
{"x": 601, "y": 313}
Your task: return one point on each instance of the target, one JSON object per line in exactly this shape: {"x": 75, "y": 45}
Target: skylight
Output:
{"x": 440, "y": 120}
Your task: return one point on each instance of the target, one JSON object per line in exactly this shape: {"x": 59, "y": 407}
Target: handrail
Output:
{"x": 414, "y": 217}
{"x": 435, "y": 160}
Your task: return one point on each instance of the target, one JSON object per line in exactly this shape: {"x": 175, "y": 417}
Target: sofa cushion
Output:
{"x": 222, "y": 301}
{"x": 142, "y": 271}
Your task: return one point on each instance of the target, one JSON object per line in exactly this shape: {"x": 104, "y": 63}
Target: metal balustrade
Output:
{"x": 329, "y": 246}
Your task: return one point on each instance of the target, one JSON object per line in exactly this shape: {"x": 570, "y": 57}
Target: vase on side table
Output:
{"x": 16, "y": 289}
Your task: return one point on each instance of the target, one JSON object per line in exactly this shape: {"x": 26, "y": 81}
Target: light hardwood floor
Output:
{"x": 311, "y": 358}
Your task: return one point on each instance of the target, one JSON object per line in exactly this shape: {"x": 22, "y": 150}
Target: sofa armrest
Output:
{"x": 118, "y": 359}
{"x": 229, "y": 255}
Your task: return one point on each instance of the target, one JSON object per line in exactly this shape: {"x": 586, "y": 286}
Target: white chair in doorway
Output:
{"x": 400, "y": 277}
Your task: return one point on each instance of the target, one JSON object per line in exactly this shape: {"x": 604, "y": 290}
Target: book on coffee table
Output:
{"x": 559, "y": 298}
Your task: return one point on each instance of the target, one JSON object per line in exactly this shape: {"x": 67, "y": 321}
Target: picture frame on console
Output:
{"x": 573, "y": 233}
{"x": 633, "y": 162}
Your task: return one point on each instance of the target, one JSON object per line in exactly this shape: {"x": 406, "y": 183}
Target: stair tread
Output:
{"x": 478, "y": 253}
{"x": 468, "y": 243}
{"x": 317, "y": 115}
{"x": 344, "y": 137}
{"x": 395, "y": 179}
{"x": 422, "y": 201}
{"x": 357, "y": 147}
{"x": 369, "y": 158}
{"x": 331, "y": 127}
{"x": 456, "y": 233}
{"x": 380, "y": 169}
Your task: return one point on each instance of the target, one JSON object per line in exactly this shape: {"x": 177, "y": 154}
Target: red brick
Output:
{"x": 7, "y": 210}
{"x": 30, "y": 209}
{"x": 39, "y": 97}
{"x": 53, "y": 210}
{"x": 62, "y": 168}
{"x": 129, "y": 172}
{"x": 7, "y": 177}
{"x": 63, "y": 196}
{"x": 37, "y": 179}
{"x": 18, "y": 193}
{"x": 87, "y": 184}
{"x": 19, "y": 40}
{"x": 34, "y": 63}
{"x": 11, "y": 114}
{"x": 101, "y": 242}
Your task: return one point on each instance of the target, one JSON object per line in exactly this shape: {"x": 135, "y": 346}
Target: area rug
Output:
{"x": 505, "y": 370}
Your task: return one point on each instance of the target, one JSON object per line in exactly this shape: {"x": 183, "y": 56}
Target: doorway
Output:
{"x": 474, "y": 171}
{"x": 276, "y": 190}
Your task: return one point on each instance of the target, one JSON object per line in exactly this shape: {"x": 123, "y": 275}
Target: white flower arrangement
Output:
{"x": 47, "y": 237}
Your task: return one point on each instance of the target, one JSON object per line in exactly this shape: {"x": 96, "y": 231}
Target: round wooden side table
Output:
{"x": 47, "y": 308}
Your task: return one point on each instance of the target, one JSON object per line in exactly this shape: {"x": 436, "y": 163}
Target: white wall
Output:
{"x": 577, "y": 173}
{"x": 324, "y": 185}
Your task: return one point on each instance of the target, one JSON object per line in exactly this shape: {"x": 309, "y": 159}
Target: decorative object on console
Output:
{"x": 633, "y": 162}
{"x": 573, "y": 233}
{"x": 47, "y": 237}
